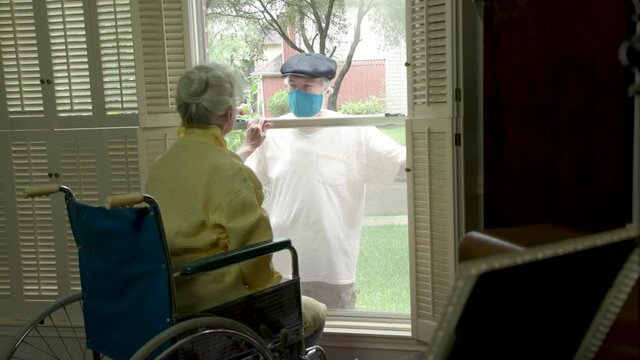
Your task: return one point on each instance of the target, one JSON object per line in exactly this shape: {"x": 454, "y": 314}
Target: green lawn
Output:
{"x": 382, "y": 278}
{"x": 396, "y": 132}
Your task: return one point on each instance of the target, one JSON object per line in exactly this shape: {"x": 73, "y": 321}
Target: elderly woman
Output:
{"x": 212, "y": 202}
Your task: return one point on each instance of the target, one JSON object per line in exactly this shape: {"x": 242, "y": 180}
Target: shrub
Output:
{"x": 278, "y": 104}
{"x": 371, "y": 105}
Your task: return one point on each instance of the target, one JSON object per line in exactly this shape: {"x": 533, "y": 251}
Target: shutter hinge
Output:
{"x": 458, "y": 94}
{"x": 457, "y": 139}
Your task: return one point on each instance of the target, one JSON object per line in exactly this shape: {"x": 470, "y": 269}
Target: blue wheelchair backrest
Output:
{"x": 126, "y": 276}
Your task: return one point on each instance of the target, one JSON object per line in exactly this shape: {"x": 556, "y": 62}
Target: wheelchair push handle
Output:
{"x": 124, "y": 200}
{"x": 44, "y": 190}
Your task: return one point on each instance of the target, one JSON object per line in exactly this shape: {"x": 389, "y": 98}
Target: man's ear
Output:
{"x": 329, "y": 90}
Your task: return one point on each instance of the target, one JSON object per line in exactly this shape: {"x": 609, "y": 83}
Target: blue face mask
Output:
{"x": 304, "y": 104}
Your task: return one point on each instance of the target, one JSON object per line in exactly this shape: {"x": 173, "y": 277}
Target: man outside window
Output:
{"x": 317, "y": 178}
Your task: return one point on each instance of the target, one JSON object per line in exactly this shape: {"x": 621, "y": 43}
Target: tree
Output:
{"x": 320, "y": 24}
{"x": 236, "y": 42}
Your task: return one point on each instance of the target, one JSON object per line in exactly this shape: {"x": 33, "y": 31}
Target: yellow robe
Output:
{"x": 210, "y": 202}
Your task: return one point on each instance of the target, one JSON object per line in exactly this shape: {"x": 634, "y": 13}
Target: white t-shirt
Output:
{"x": 315, "y": 183}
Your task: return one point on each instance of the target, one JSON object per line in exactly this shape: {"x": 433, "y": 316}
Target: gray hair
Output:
{"x": 205, "y": 92}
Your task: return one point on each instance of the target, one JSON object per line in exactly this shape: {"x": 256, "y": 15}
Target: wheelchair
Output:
{"x": 127, "y": 301}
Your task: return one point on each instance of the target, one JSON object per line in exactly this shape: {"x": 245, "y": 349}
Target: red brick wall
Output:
{"x": 365, "y": 78}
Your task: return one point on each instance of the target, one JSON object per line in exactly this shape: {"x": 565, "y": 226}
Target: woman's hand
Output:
{"x": 256, "y": 132}
{"x": 254, "y": 137}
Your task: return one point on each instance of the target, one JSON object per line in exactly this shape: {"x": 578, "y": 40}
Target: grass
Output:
{"x": 382, "y": 278}
{"x": 396, "y": 132}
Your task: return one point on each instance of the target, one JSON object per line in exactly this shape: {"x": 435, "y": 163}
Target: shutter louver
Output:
{"x": 123, "y": 164}
{"x": 436, "y": 52}
{"x": 116, "y": 51}
{"x": 79, "y": 172}
{"x": 433, "y": 209}
{"x": 430, "y": 58}
{"x": 162, "y": 32}
{"x": 5, "y": 267}
{"x": 434, "y": 256}
{"x": 418, "y": 72}
{"x": 68, "y": 39}
{"x": 35, "y": 222}
{"x": 20, "y": 64}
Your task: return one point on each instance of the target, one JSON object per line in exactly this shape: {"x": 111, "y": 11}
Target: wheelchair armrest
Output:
{"x": 227, "y": 258}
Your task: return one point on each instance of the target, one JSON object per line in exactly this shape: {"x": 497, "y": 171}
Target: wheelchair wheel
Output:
{"x": 205, "y": 338}
{"x": 51, "y": 334}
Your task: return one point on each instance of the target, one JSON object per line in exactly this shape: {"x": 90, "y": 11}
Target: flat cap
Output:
{"x": 310, "y": 65}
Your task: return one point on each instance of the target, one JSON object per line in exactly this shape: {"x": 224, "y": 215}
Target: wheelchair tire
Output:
{"x": 52, "y": 334}
{"x": 208, "y": 337}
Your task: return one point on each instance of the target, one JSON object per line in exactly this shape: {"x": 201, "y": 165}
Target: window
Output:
{"x": 405, "y": 231}
{"x": 365, "y": 232}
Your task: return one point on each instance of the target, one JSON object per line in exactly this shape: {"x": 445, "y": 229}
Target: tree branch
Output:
{"x": 302, "y": 30}
{"x": 319, "y": 27}
{"x": 273, "y": 23}
{"x": 362, "y": 11}
{"x": 327, "y": 23}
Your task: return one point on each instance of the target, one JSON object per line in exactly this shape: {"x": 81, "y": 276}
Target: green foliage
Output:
{"x": 278, "y": 104}
{"x": 389, "y": 21}
{"x": 234, "y": 139}
{"x": 371, "y": 105}
{"x": 251, "y": 103}
{"x": 235, "y": 42}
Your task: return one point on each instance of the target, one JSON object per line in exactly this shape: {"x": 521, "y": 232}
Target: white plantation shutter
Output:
{"x": 431, "y": 68}
{"x": 162, "y": 36}
{"x": 5, "y": 266}
{"x": 123, "y": 165}
{"x": 40, "y": 251}
{"x": 117, "y": 56}
{"x": 35, "y": 221}
{"x": 67, "y": 64}
{"x": 432, "y": 109}
{"x": 433, "y": 220}
{"x": 78, "y": 169}
{"x": 63, "y": 64}
{"x": 9, "y": 253}
{"x": 20, "y": 64}
{"x": 68, "y": 41}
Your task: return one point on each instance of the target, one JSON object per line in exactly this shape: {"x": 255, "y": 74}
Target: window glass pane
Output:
{"x": 339, "y": 192}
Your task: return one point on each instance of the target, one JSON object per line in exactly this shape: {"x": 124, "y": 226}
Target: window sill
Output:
{"x": 370, "y": 333}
